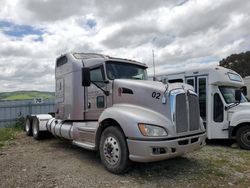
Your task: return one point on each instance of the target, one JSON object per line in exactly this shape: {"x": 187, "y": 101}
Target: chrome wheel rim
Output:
{"x": 27, "y": 126}
{"x": 35, "y": 130}
{"x": 111, "y": 150}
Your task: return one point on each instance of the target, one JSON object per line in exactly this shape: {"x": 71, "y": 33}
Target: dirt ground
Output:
{"x": 25, "y": 162}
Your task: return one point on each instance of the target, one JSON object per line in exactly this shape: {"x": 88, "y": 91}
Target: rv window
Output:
{"x": 202, "y": 96}
{"x": 234, "y": 77}
{"x": 175, "y": 80}
{"x": 218, "y": 108}
{"x": 190, "y": 82}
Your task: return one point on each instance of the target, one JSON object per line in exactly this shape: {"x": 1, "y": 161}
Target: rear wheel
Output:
{"x": 37, "y": 134}
{"x": 114, "y": 151}
{"x": 28, "y": 127}
{"x": 243, "y": 137}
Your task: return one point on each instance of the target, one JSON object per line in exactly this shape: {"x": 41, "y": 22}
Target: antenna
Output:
{"x": 154, "y": 78}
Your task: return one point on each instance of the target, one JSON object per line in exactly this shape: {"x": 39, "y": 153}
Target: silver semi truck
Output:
{"x": 107, "y": 104}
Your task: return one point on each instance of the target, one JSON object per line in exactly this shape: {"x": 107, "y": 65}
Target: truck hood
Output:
{"x": 239, "y": 114}
{"x": 241, "y": 106}
{"x": 144, "y": 93}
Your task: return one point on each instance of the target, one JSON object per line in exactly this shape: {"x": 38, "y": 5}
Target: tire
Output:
{"x": 37, "y": 134}
{"x": 114, "y": 151}
{"x": 28, "y": 126}
{"x": 243, "y": 137}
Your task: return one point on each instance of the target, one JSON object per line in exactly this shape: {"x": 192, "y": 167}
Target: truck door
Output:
{"x": 218, "y": 126}
{"x": 95, "y": 98}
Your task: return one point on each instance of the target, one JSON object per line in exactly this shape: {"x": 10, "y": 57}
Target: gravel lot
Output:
{"x": 25, "y": 162}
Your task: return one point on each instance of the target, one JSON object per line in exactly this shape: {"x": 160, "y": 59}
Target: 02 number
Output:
{"x": 156, "y": 95}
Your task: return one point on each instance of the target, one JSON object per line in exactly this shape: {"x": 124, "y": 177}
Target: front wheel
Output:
{"x": 114, "y": 151}
{"x": 243, "y": 137}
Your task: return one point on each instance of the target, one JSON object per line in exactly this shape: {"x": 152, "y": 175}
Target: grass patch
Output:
{"x": 24, "y": 95}
{"x": 10, "y": 133}
{"x": 7, "y": 134}
{"x": 221, "y": 162}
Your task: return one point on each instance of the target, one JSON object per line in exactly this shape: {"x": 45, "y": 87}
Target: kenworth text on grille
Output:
{"x": 107, "y": 104}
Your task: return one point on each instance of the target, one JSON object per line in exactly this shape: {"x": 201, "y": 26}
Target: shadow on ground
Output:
{"x": 169, "y": 169}
{"x": 221, "y": 142}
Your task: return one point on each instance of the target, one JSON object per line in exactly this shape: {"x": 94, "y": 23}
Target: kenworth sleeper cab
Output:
{"x": 107, "y": 104}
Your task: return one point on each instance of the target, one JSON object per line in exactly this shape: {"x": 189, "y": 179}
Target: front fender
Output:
{"x": 128, "y": 116}
{"x": 239, "y": 117}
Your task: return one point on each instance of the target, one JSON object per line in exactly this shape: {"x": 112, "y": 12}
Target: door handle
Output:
{"x": 89, "y": 104}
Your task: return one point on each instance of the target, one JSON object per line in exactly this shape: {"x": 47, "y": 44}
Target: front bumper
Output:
{"x": 143, "y": 151}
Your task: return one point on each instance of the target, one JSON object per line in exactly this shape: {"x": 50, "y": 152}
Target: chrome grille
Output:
{"x": 194, "y": 113}
{"x": 187, "y": 113}
{"x": 181, "y": 114}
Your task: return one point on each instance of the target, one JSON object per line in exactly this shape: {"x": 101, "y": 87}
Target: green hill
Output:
{"x": 23, "y": 95}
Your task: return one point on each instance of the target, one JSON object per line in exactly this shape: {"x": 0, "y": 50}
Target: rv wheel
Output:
{"x": 114, "y": 151}
{"x": 243, "y": 137}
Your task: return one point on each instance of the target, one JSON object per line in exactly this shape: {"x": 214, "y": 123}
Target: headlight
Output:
{"x": 151, "y": 130}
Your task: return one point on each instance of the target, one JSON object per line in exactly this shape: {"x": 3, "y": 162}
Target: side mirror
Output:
{"x": 238, "y": 95}
{"x": 86, "y": 77}
{"x": 244, "y": 90}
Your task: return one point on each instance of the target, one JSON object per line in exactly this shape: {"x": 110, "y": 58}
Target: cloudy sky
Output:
{"x": 183, "y": 34}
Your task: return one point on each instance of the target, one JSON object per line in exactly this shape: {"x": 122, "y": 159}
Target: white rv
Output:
{"x": 247, "y": 84}
{"x": 223, "y": 108}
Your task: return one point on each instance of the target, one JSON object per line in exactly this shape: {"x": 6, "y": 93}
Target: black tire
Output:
{"x": 37, "y": 134}
{"x": 28, "y": 126}
{"x": 243, "y": 137}
{"x": 114, "y": 151}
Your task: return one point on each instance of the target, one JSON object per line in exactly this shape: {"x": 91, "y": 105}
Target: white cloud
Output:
{"x": 182, "y": 33}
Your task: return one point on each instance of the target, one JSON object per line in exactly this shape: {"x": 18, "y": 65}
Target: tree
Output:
{"x": 240, "y": 63}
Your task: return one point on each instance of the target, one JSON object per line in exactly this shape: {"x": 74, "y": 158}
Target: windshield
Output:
{"x": 117, "y": 70}
{"x": 228, "y": 93}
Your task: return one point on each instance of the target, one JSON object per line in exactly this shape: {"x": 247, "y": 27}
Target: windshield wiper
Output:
{"x": 232, "y": 105}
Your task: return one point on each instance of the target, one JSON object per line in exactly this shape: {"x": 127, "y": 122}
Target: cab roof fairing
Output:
{"x": 94, "y": 57}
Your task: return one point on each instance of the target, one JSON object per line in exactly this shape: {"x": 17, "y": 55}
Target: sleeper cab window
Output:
{"x": 61, "y": 61}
